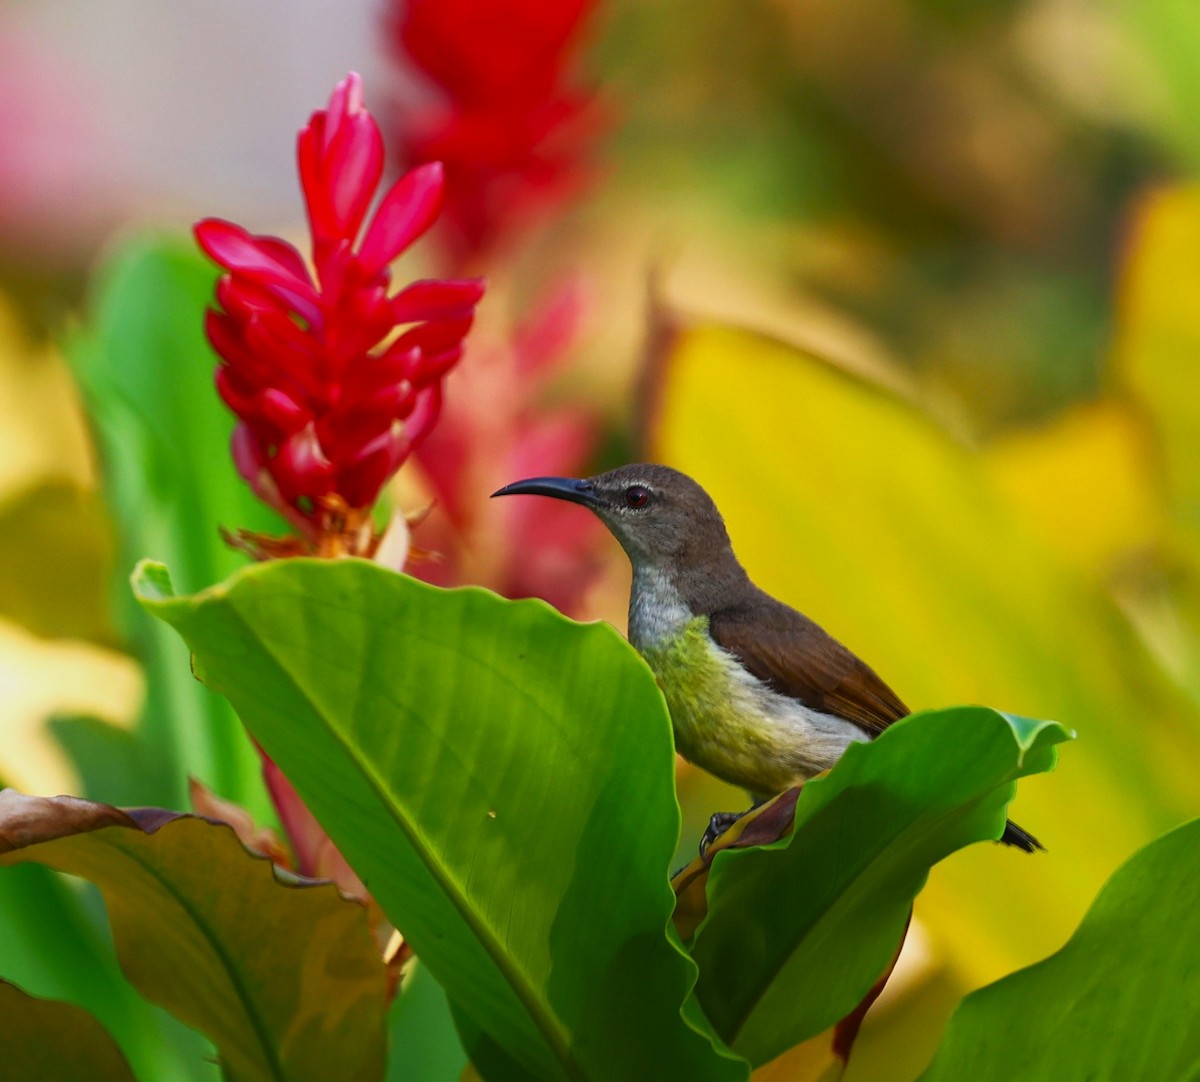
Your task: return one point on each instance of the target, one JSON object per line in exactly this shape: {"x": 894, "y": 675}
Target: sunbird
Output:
{"x": 759, "y": 695}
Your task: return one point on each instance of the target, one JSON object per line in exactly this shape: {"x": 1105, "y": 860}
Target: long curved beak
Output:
{"x": 559, "y": 488}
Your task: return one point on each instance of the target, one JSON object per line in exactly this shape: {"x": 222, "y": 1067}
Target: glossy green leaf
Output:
{"x": 146, "y": 375}
{"x": 500, "y": 777}
{"x": 284, "y": 978}
{"x": 43, "y": 1038}
{"x": 1120, "y": 1001}
{"x": 829, "y": 904}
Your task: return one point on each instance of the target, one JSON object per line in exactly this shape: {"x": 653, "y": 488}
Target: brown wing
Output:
{"x": 796, "y": 657}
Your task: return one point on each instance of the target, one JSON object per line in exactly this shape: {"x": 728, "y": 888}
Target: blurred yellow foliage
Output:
{"x": 1158, "y": 344}
{"x": 1157, "y": 364}
{"x": 1085, "y": 482}
{"x": 812, "y": 1060}
{"x": 946, "y": 569}
{"x": 42, "y": 433}
{"x": 39, "y": 679}
{"x": 44, "y": 454}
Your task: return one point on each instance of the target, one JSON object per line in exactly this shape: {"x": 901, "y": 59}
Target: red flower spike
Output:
{"x": 330, "y": 401}
{"x": 340, "y": 163}
{"x": 478, "y": 49}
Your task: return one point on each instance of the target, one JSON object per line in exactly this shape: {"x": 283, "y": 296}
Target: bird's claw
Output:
{"x": 717, "y": 825}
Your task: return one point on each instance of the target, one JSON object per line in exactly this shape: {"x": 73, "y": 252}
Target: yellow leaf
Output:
{"x": 1086, "y": 482}
{"x": 855, "y": 507}
{"x": 39, "y": 678}
{"x": 810, "y": 1061}
{"x": 1158, "y": 359}
{"x": 42, "y": 433}
{"x": 1158, "y": 346}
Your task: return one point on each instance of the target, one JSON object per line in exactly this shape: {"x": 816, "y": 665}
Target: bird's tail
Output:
{"x": 1013, "y": 835}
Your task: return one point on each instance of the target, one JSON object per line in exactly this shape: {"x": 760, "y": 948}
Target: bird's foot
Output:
{"x": 717, "y": 825}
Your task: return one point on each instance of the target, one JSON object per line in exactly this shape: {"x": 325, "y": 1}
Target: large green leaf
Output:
{"x": 829, "y": 904}
{"x": 146, "y": 375}
{"x": 500, "y": 777}
{"x": 285, "y": 978}
{"x": 1120, "y": 1001}
{"x": 44, "y": 1038}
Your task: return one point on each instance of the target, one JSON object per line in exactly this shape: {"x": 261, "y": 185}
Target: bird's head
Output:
{"x": 659, "y": 515}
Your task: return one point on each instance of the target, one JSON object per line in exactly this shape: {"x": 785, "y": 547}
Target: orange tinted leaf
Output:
{"x": 283, "y": 977}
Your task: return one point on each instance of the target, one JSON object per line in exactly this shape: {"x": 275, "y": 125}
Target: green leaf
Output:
{"x": 499, "y": 776}
{"x": 424, "y": 1043}
{"x": 828, "y": 905}
{"x": 43, "y": 1038}
{"x": 1119, "y": 1001}
{"x": 110, "y": 760}
{"x": 146, "y": 375}
{"x": 284, "y": 978}
{"x": 488, "y": 1060}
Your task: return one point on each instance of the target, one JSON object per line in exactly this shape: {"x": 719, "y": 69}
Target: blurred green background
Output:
{"x": 913, "y": 287}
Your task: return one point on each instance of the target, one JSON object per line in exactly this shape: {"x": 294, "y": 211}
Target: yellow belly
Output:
{"x": 718, "y": 716}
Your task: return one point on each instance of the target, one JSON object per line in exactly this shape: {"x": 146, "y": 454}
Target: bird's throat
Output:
{"x": 657, "y": 611}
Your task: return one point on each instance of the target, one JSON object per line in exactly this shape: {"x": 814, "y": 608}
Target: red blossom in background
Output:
{"x": 329, "y": 404}
{"x": 512, "y": 133}
{"x": 521, "y": 548}
{"x": 515, "y": 134}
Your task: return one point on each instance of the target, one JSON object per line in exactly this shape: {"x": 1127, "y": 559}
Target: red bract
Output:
{"x": 329, "y": 403}
{"x": 513, "y": 135}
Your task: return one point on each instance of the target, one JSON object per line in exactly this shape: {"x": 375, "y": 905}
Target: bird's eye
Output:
{"x": 637, "y": 496}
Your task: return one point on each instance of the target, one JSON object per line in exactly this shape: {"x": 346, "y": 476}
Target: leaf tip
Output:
{"x": 151, "y": 582}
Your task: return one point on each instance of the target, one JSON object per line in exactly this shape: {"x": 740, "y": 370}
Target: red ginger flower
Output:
{"x": 510, "y": 130}
{"x": 328, "y": 404}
